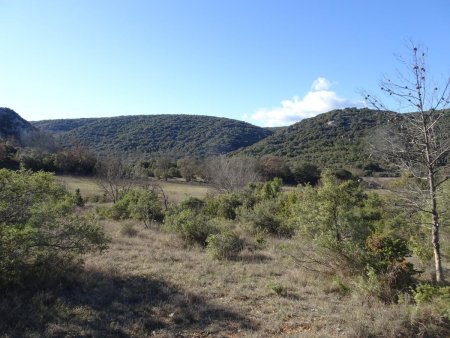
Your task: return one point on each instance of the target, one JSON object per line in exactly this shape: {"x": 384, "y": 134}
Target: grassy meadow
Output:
{"x": 175, "y": 191}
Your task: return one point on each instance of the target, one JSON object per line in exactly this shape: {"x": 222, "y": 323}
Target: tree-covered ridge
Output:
{"x": 177, "y": 135}
{"x": 12, "y": 126}
{"x": 333, "y": 139}
{"x": 61, "y": 125}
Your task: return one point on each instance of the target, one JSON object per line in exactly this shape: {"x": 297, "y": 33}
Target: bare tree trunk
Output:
{"x": 420, "y": 143}
{"x": 435, "y": 231}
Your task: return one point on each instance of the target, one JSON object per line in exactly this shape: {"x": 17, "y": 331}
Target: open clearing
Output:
{"x": 174, "y": 190}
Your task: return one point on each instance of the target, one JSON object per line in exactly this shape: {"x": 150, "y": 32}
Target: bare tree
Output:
{"x": 114, "y": 177}
{"x": 231, "y": 173}
{"x": 416, "y": 141}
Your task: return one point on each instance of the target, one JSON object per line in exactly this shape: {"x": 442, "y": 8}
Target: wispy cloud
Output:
{"x": 319, "y": 99}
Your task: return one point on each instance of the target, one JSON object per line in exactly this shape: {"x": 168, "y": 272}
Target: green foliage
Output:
{"x": 332, "y": 140}
{"x": 329, "y": 210}
{"x": 224, "y": 245}
{"x": 77, "y": 199}
{"x": 426, "y": 293}
{"x": 387, "y": 257}
{"x": 138, "y": 204}
{"x": 277, "y": 288}
{"x": 39, "y": 234}
{"x": 78, "y": 161}
{"x": 267, "y": 190}
{"x": 305, "y": 173}
{"x": 14, "y": 127}
{"x": 265, "y": 217}
{"x": 178, "y": 135}
{"x": 436, "y": 297}
{"x": 192, "y": 227}
{"x": 341, "y": 287}
{"x": 270, "y": 166}
{"x": 8, "y": 158}
{"x": 192, "y": 203}
{"x": 223, "y": 206}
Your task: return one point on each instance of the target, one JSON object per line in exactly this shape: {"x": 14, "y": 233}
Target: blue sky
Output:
{"x": 265, "y": 62}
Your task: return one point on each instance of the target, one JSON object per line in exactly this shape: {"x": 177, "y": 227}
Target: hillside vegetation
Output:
{"x": 14, "y": 127}
{"x": 335, "y": 139}
{"x": 177, "y": 135}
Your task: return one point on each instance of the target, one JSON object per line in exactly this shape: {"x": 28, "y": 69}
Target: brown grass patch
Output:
{"x": 150, "y": 284}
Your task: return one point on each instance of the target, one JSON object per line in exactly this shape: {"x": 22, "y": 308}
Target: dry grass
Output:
{"x": 149, "y": 284}
{"x": 88, "y": 187}
{"x": 174, "y": 190}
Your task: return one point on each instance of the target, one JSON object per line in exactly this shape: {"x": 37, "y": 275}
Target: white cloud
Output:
{"x": 319, "y": 99}
{"x": 320, "y": 84}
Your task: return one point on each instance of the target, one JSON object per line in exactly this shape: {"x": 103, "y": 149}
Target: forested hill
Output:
{"x": 177, "y": 135}
{"x": 14, "y": 127}
{"x": 336, "y": 139}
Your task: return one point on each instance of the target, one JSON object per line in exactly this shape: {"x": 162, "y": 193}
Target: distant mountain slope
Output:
{"x": 61, "y": 125}
{"x": 335, "y": 139}
{"x": 12, "y": 126}
{"x": 178, "y": 135}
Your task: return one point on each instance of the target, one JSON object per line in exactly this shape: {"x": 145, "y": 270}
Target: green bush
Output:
{"x": 77, "y": 199}
{"x": 426, "y": 293}
{"x": 387, "y": 256}
{"x": 224, "y": 245}
{"x": 438, "y": 297}
{"x": 192, "y": 203}
{"x": 142, "y": 205}
{"x": 277, "y": 288}
{"x": 192, "y": 227}
{"x": 265, "y": 218}
{"x": 267, "y": 190}
{"x": 222, "y": 206}
{"x": 39, "y": 234}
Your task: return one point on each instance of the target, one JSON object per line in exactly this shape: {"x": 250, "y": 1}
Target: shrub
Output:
{"x": 77, "y": 199}
{"x": 223, "y": 206}
{"x": 142, "y": 205}
{"x": 39, "y": 234}
{"x": 388, "y": 274}
{"x": 306, "y": 173}
{"x": 192, "y": 203}
{"x": 224, "y": 245}
{"x": 265, "y": 218}
{"x": 267, "y": 190}
{"x": 277, "y": 288}
{"x": 387, "y": 256}
{"x": 437, "y": 296}
{"x": 193, "y": 228}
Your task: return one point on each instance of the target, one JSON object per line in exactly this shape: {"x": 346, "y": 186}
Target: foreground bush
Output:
{"x": 192, "y": 227}
{"x": 224, "y": 245}
{"x": 266, "y": 217}
{"x": 138, "y": 204}
{"x": 39, "y": 233}
{"x": 438, "y": 297}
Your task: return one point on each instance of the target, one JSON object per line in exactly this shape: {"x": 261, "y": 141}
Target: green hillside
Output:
{"x": 12, "y": 126}
{"x": 177, "y": 135}
{"x": 336, "y": 138}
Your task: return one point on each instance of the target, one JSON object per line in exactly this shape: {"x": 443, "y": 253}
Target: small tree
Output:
{"x": 188, "y": 167}
{"x": 39, "y": 233}
{"x": 232, "y": 173}
{"x": 325, "y": 210}
{"x": 114, "y": 176}
{"x": 417, "y": 142}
